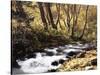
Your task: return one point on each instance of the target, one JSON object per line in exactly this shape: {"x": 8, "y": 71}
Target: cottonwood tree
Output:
{"x": 46, "y": 15}
{"x": 86, "y": 21}
{"x": 76, "y": 12}
{"x": 67, "y": 11}
{"x": 72, "y": 14}
{"x": 42, "y": 12}
{"x": 50, "y": 16}
{"x": 58, "y": 7}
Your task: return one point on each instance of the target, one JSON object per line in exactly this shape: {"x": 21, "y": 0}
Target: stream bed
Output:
{"x": 51, "y": 59}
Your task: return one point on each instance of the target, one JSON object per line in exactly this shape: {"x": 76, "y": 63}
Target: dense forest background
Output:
{"x": 36, "y": 25}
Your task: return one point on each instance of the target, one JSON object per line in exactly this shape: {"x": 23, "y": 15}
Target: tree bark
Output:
{"x": 43, "y": 15}
{"x": 74, "y": 10}
{"x": 47, "y": 5}
{"x": 85, "y": 23}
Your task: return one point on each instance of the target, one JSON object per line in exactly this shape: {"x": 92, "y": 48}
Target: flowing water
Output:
{"x": 49, "y": 60}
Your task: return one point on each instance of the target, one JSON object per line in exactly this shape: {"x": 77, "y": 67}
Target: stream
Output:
{"x": 51, "y": 59}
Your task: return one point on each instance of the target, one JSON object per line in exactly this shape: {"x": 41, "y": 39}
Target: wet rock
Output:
{"x": 68, "y": 56}
{"x": 81, "y": 55}
{"x": 31, "y": 56}
{"x": 22, "y": 58}
{"x": 55, "y": 63}
{"x": 51, "y": 47}
{"x": 50, "y": 53}
{"x": 52, "y": 70}
{"x": 61, "y": 61}
{"x": 59, "y": 50}
{"x": 72, "y": 53}
{"x": 94, "y": 62}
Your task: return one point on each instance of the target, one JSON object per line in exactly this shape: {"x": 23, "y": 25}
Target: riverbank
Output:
{"x": 83, "y": 61}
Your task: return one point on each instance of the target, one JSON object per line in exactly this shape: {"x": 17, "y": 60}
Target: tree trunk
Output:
{"x": 74, "y": 10}
{"x": 68, "y": 17}
{"x": 84, "y": 24}
{"x": 47, "y": 5}
{"x": 58, "y": 15}
{"x": 43, "y": 15}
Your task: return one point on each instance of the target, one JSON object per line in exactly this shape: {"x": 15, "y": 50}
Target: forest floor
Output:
{"x": 84, "y": 61}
